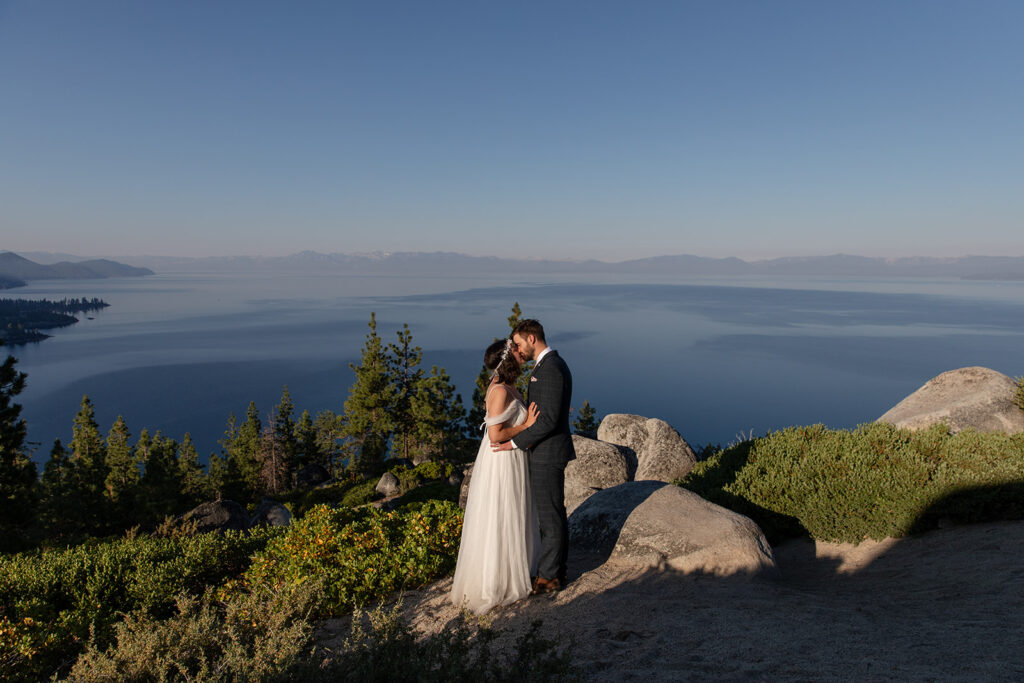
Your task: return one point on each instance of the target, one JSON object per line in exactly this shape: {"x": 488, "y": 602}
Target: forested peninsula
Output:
{"x": 22, "y": 319}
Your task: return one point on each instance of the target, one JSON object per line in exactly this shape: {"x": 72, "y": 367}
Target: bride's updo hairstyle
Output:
{"x": 499, "y": 358}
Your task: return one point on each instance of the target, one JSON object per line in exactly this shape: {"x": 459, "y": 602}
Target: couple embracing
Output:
{"x": 515, "y": 536}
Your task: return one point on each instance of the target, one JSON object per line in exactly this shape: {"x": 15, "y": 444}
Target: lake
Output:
{"x": 718, "y": 358}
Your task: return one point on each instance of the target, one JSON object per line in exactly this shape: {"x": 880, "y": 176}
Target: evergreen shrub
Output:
{"x": 50, "y": 600}
{"x": 871, "y": 482}
{"x": 433, "y": 490}
{"x": 252, "y": 637}
{"x": 360, "y": 494}
{"x": 270, "y": 637}
{"x": 1018, "y": 397}
{"x": 300, "y": 501}
{"x": 390, "y": 650}
{"x": 411, "y": 478}
{"x": 360, "y": 554}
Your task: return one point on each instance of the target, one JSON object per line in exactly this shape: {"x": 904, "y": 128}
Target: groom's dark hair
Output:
{"x": 530, "y": 326}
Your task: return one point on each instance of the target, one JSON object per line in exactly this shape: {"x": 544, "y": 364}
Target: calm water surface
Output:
{"x": 713, "y": 357}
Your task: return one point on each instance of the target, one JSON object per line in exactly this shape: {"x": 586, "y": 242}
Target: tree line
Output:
{"x": 21, "y": 319}
{"x": 98, "y": 484}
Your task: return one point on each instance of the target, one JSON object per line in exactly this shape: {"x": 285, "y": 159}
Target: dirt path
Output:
{"x": 948, "y": 605}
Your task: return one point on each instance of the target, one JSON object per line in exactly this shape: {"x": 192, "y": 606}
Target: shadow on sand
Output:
{"x": 943, "y": 605}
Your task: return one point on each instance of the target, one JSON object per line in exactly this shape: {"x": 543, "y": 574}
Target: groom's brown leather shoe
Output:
{"x": 541, "y": 586}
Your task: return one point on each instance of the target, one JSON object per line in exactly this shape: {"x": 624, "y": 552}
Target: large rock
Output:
{"x": 661, "y": 453}
{"x": 388, "y": 485}
{"x": 219, "y": 515}
{"x": 652, "y": 522}
{"x": 270, "y": 513}
{"x": 973, "y": 397}
{"x": 598, "y": 466}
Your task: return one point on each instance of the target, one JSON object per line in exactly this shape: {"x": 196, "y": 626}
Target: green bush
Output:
{"x": 434, "y": 490}
{"x": 253, "y": 637}
{"x": 389, "y": 650}
{"x": 301, "y": 501}
{"x": 411, "y": 478}
{"x": 361, "y": 554}
{"x": 871, "y": 482}
{"x": 360, "y": 494}
{"x": 269, "y": 637}
{"x": 50, "y": 600}
{"x": 1018, "y": 398}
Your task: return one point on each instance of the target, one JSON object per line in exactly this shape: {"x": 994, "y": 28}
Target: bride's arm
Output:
{"x": 497, "y": 403}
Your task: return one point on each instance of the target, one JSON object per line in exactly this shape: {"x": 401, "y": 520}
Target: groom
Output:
{"x": 549, "y": 443}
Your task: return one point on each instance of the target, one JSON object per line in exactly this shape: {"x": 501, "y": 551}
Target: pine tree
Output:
{"x": 217, "y": 475}
{"x": 17, "y": 471}
{"x": 305, "y": 440}
{"x": 284, "y": 438}
{"x": 241, "y": 449}
{"x": 161, "y": 482}
{"x": 122, "y": 482}
{"x": 438, "y": 419}
{"x": 403, "y": 365}
{"x": 89, "y": 471}
{"x": 369, "y": 405}
{"x": 194, "y": 484}
{"x": 586, "y": 422}
{"x": 56, "y": 491}
{"x": 273, "y": 459}
{"x": 331, "y": 442}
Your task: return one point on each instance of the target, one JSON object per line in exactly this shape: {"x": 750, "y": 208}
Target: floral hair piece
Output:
{"x": 504, "y": 355}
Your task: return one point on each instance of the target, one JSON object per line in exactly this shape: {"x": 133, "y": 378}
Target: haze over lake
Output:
{"x": 715, "y": 357}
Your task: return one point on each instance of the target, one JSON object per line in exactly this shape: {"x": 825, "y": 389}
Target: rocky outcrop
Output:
{"x": 973, "y": 397}
{"x": 598, "y": 466}
{"x": 627, "y": 447}
{"x": 219, "y": 515}
{"x": 652, "y": 522}
{"x": 661, "y": 453}
{"x": 270, "y": 513}
{"x": 388, "y": 485}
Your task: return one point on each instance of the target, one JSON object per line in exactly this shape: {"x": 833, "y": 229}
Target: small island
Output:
{"x": 22, "y": 319}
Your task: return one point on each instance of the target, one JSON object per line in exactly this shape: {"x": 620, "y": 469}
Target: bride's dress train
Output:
{"x": 500, "y": 537}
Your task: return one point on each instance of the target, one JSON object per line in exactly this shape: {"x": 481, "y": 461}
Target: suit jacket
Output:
{"x": 549, "y": 440}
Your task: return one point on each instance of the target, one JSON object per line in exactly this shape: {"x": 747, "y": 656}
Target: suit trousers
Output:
{"x": 547, "y": 483}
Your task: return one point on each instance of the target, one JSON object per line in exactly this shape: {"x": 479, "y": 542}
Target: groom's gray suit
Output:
{"x": 549, "y": 442}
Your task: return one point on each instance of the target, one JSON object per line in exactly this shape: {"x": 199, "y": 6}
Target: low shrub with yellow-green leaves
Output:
{"x": 870, "y": 482}
{"x": 360, "y": 554}
{"x": 50, "y": 600}
{"x": 269, "y": 636}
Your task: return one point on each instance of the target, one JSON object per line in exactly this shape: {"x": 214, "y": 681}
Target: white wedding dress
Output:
{"x": 500, "y": 536}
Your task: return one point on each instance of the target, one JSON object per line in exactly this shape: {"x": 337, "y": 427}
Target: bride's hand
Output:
{"x": 531, "y": 415}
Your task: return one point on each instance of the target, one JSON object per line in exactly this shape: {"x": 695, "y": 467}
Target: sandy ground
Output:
{"x": 948, "y": 605}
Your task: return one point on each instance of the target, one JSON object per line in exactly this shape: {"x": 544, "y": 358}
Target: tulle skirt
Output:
{"x": 500, "y": 536}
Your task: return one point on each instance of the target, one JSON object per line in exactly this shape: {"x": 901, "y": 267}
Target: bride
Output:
{"x": 497, "y": 555}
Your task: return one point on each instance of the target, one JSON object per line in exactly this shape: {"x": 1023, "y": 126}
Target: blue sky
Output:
{"x": 606, "y": 130}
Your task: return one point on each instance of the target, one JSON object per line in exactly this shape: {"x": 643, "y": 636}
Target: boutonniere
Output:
{"x": 533, "y": 379}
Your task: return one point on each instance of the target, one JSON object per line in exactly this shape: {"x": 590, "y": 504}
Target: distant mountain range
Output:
{"x": 16, "y": 270}
{"x": 432, "y": 263}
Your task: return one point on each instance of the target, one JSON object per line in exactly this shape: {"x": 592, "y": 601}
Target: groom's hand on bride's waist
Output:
{"x": 502, "y": 446}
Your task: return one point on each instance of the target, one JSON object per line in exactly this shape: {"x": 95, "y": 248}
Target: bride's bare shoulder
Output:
{"x": 498, "y": 397}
